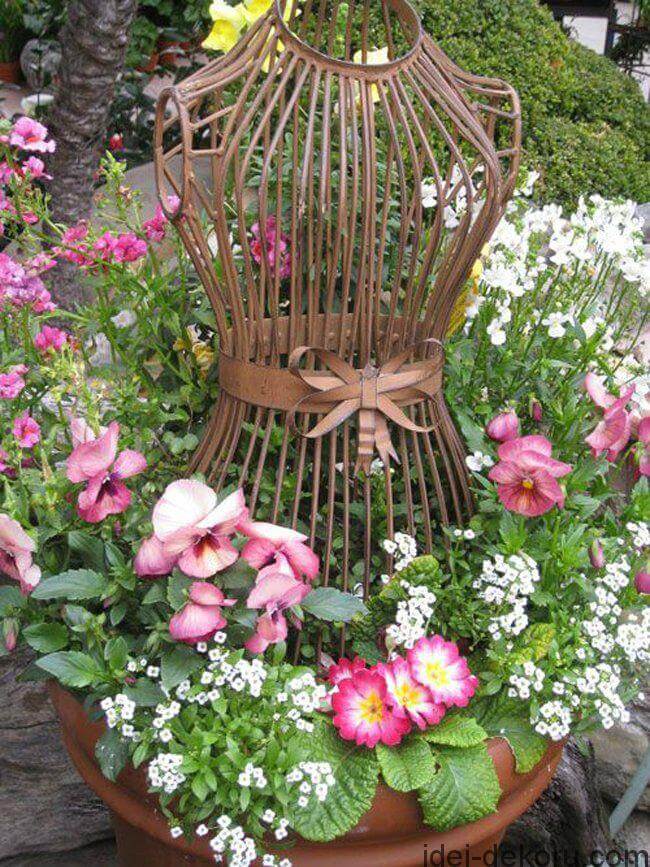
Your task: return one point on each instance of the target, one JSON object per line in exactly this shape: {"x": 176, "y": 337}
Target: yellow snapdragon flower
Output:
{"x": 254, "y": 9}
{"x": 374, "y": 58}
{"x": 229, "y": 21}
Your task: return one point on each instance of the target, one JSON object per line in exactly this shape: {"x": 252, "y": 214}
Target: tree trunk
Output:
{"x": 93, "y": 45}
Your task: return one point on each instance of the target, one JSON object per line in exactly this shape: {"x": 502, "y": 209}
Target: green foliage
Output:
{"x": 465, "y": 789}
{"x": 328, "y": 603}
{"x": 111, "y": 753}
{"x": 505, "y": 718}
{"x": 72, "y": 668}
{"x": 408, "y": 766}
{"x": 586, "y": 124}
{"x": 46, "y": 637}
{"x": 456, "y": 730}
{"x": 355, "y": 770}
{"x": 74, "y": 585}
{"x": 177, "y": 664}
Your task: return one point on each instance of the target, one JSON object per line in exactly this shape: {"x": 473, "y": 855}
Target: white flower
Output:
{"x": 478, "y": 461}
{"x": 555, "y": 322}
{"x": 124, "y": 319}
{"x": 496, "y": 332}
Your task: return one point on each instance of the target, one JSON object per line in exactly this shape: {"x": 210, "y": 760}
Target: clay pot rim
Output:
{"x": 519, "y": 791}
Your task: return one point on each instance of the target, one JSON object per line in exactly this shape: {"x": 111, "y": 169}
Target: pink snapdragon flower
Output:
{"x": 97, "y": 463}
{"x": 129, "y": 248}
{"x": 345, "y": 668}
{"x": 612, "y": 434}
{"x": 274, "y": 593}
{"x": 270, "y": 545}
{"x": 26, "y": 430}
{"x": 364, "y": 712}
{"x": 438, "y": 665}
{"x": 74, "y": 249}
{"x": 196, "y": 529}
{"x": 12, "y": 383}
{"x": 503, "y": 427}
{"x": 30, "y": 135}
{"x": 51, "y": 339}
{"x": 16, "y": 550}
{"x": 411, "y": 699}
{"x": 36, "y": 168}
{"x": 275, "y": 253}
{"x": 155, "y": 228}
{"x": 201, "y": 616}
{"x": 526, "y": 476}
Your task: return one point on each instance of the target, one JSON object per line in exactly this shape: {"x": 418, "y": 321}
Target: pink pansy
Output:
{"x": 345, "y": 668}
{"x": 527, "y": 475}
{"x": 11, "y": 384}
{"x": 642, "y": 582}
{"x": 611, "y": 435}
{"x": 201, "y": 616}
{"x": 503, "y": 427}
{"x": 30, "y": 135}
{"x": 151, "y": 561}
{"x": 410, "y": 698}
{"x": 97, "y": 463}
{"x": 81, "y": 431}
{"x": 16, "y": 549}
{"x": 26, "y": 430}
{"x": 595, "y": 386}
{"x": 35, "y": 167}
{"x": 129, "y": 248}
{"x": 50, "y": 338}
{"x": 195, "y": 528}
{"x": 438, "y": 665}
{"x": 269, "y": 544}
{"x": 363, "y": 711}
{"x": 275, "y": 593}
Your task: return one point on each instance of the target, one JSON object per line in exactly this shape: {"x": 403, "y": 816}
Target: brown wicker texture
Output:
{"x": 331, "y": 322}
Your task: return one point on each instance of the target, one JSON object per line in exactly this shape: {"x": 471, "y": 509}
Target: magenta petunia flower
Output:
{"x": 526, "y": 476}
{"x": 30, "y": 135}
{"x": 201, "y": 616}
{"x": 36, "y": 168}
{"x": 26, "y": 430}
{"x": 411, "y": 699}
{"x": 16, "y": 550}
{"x": 364, "y": 713}
{"x": 503, "y": 427}
{"x": 269, "y": 545}
{"x": 438, "y": 665}
{"x": 196, "y": 529}
{"x": 97, "y": 463}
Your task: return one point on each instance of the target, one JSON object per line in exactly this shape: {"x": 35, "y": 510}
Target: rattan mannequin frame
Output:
{"x": 345, "y": 354}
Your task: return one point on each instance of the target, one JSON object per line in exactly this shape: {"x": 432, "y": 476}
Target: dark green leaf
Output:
{"x": 46, "y": 637}
{"x": 178, "y": 664}
{"x": 111, "y": 753}
{"x": 72, "y": 668}
{"x": 75, "y": 585}
{"x": 328, "y": 603}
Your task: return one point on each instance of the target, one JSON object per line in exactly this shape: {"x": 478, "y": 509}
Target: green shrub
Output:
{"x": 584, "y": 121}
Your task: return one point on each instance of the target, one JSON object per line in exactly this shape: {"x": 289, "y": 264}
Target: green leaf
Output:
{"x": 408, "y": 766}
{"x": 465, "y": 789}
{"x": 89, "y": 548}
{"x": 179, "y": 664}
{"x": 111, "y": 753}
{"x": 72, "y": 668}
{"x": 116, "y": 653}
{"x": 144, "y": 693}
{"x": 177, "y": 588}
{"x": 456, "y": 730}
{"x": 46, "y": 637}
{"x": 507, "y": 718}
{"x": 328, "y": 603}
{"x": 74, "y": 585}
{"x": 534, "y": 643}
{"x": 10, "y": 597}
{"x": 355, "y": 770}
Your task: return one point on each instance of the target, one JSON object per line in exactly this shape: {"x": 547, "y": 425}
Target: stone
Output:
{"x": 44, "y": 804}
{"x": 634, "y": 836}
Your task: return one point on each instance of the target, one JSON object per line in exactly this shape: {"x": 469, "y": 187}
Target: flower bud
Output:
{"x": 642, "y": 582}
{"x": 536, "y": 410}
{"x": 10, "y": 633}
{"x": 596, "y": 556}
{"x": 503, "y": 427}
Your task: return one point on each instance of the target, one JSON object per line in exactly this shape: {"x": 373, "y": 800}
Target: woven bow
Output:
{"x": 340, "y": 390}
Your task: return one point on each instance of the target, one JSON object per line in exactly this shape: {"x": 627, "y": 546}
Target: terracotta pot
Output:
{"x": 391, "y": 834}
{"x": 10, "y": 71}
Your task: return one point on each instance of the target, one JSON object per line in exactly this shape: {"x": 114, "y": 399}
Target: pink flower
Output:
{"x": 527, "y": 476}
{"x": 195, "y": 528}
{"x": 595, "y": 386}
{"x": 51, "y": 339}
{"x": 129, "y": 248}
{"x": 503, "y": 427}
{"x": 30, "y": 135}
{"x": 104, "y": 247}
{"x": 363, "y": 711}
{"x": 26, "y": 430}
{"x": 81, "y": 431}
{"x": 35, "y": 167}
{"x": 275, "y": 593}
{"x": 201, "y": 617}
{"x": 155, "y": 228}
{"x": 5, "y": 468}
{"x": 273, "y": 251}
{"x": 116, "y": 142}
{"x": 16, "y": 549}
{"x": 642, "y": 449}
{"x": 596, "y": 555}
{"x": 11, "y": 384}
{"x": 536, "y": 410}
{"x": 74, "y": 248}
{"x": 30, "y": 218}
{"x": 642, "y": 582}
{"x": 612, "y": 433}
{"x": 151, "y": 561}
{"x": 97, "y": 463}
{"x": 269, "y": 545}
{"x": 345, "y": 668}
{"x": 410, "y": 699}
{"x": 438, "y": 665}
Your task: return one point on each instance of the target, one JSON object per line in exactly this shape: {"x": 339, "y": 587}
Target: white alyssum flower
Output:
{"x": 478, "y": 461}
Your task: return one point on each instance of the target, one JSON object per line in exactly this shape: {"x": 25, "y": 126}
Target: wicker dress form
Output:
{"x": 334, "y": 208}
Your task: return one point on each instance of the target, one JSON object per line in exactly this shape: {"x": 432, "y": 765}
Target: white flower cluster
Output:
{"x": 243, "y": 676}
{"x": 120, "y": 710}
{"x": 478, "y": 461}
{"x": 315, "y": 778}
{"x": 633, "y": 637}
{"x": 307, "y": 696}
{"x": 252, "y": 776}
{"x": 404, "y": 546}
{"x": 164, "y": 772}
{"x": 532, "y": 679}
{"x": 601, "y": 628}
{"x": 233, "y": 840}
{"x": 412, "y": 617}
{"x": 640, "y": 534}
{"x": 554, "y": 720}
{"x": 454, "y": 193}
{"x": 507, "y": 583}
